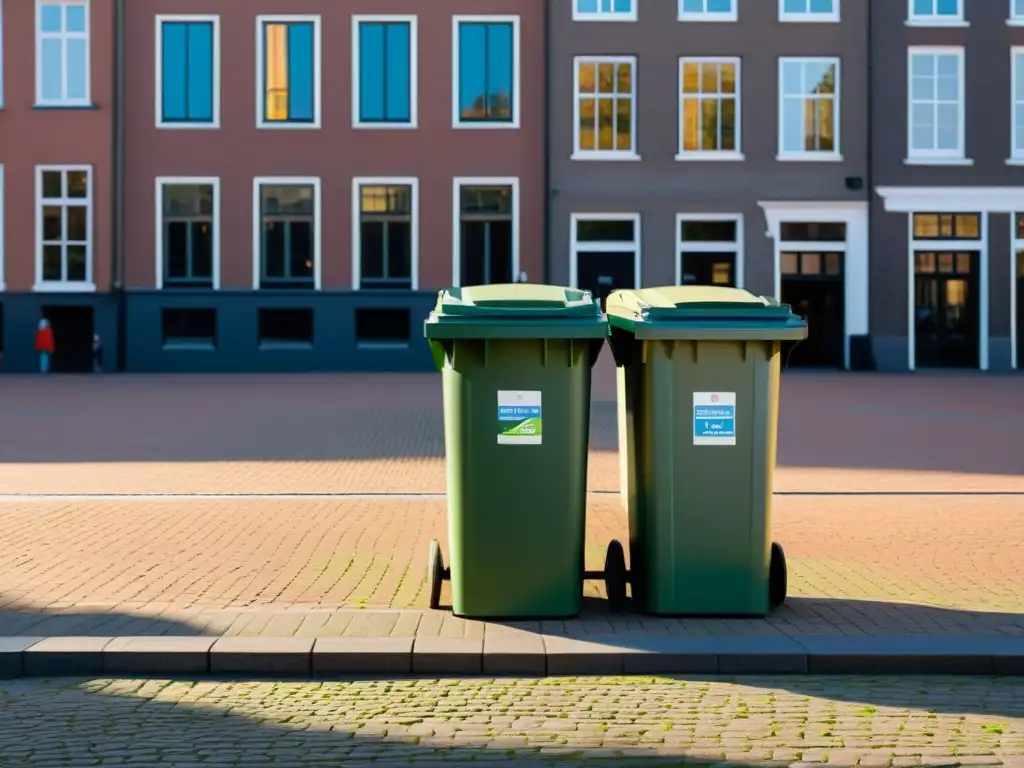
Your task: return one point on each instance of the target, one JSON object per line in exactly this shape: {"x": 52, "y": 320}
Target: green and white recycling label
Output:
{"x": 519, "y": 417}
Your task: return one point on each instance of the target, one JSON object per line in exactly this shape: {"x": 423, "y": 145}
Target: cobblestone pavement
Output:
{"x": 622, "y": 721}
{"x": 364, "y": 433}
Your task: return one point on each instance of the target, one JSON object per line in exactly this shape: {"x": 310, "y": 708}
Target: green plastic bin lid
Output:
{"x": 515, "y": 310}
{"x": 703, "y": 312}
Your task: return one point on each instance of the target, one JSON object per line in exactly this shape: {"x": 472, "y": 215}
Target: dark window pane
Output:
{"x": 176, "y": 250}
{"x": 815, "y": 231}
{"x": 52, "y": 263}
{"x": 472, "y": 255}
{"x": 500, "y": 233}
{"x": 202, "y": 250}
{"x": 789, "y": 263}
{"x": 188, "y": 200}
{"x": 963, "y": 263}
{"x": 480, "y": 200}
{"x": 924, "y": 262}
{"x": 301, "y": 256}
{"x": 709, "y": 231}
{"x": 76, "y": 263}
{"x": 383, "y": 326}
{"x": 591, "y": 231}
{"x": 288, "y": 199}
{"x": 810, "y": 264}
{"x": 833, "y": 264}
{"x": 77, "y": 183}
{"x": 52, "y": 226}
{"x": 77, "y": 231}
{"x": 196, "y": 326}
{"x": 399, "y": 250}
{"x": 946, "y": 262}
{"x": 53, "y": 184}
{"x": 393, "y": 200}
{"x": 285, "y": 326}
{"x": 371, "y": 250}
{"x": 273, "y": 249}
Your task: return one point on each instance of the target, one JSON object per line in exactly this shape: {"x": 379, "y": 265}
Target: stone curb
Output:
{"x": 525, "y": 655}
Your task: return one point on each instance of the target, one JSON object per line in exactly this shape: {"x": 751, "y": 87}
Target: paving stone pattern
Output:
{"x": 556, "y": 721}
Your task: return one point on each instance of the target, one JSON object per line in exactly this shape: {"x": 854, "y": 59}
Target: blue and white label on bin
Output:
{"x": 714, "y": 418}
{"x": 519, "y": 418}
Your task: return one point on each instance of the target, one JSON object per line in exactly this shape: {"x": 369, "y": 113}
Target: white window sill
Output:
{"x": 69, "y": 104}
{"x": 384, "y": 126}
{"x": 288, "y": 126}
{"x": 938, "y": 161}
{"x": 614, "y": 157}
{"x": 707, "y": 17}
{"x": 1015, "y": 22}
{"x": 710, "y": 157}
{"x": 189, "y": 346}
{"x": 809, "y": 157}
{"x": 483, "y": 126}
{"x": 56, "y": 286}
{"x": 811, "y": 18}
{"x": 1015, "y": 161}
{"x": 188, "y": 126}
{"x": 627, "y": 17}
{"x": 936, "y": 23}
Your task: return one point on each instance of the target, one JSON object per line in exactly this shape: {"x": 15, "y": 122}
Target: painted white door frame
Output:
{"x": 856, "y": 286}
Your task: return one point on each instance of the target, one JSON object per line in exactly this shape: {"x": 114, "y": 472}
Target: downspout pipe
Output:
{"x": 117, "y": 260}
{"x": 548, "y": 192}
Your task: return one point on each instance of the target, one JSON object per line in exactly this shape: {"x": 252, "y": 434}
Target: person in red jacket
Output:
{"x": 44, "y": 345}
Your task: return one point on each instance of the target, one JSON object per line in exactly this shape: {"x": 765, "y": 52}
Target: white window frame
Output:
{"x": 712, "y": 154}
{"x": 603, "y": 154}
{"x": 732, "y": 15}
{"x": 836, "y": 155}
{"x": 482, "y": 181}
{"x": 158, "y": 86}
{"x": 517, "y": 71}
{"x": 630, "y": 15}
{"x": 933, "y": 20}
{"x": 1016, "y": 153}
{"x": 608, "y": 246}
{"x": 86, "y": 101}
{"x": 173, "y": 181}
{"x": 723, "y": 246}
{"x": 66, "y": 286}
{"x": 413, "y": 22}
{"x": 261, "y": 72}
{"x": 809, "y": 16}
{"x": 258, "y": 183}
{"x": 1, "y": 77}
{"x": 413, "y": 183}
{"x": 1014, "y": 18}
{"x": 937, "y": 156}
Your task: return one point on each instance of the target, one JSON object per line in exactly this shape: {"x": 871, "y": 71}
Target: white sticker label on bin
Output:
{"x": 519, "y": 418}
{"x": 714, "y": 418}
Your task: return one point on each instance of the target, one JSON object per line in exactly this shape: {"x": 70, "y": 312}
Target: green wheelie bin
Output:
{"x": 516, "y": 365}
{"x": 698, "y": 395}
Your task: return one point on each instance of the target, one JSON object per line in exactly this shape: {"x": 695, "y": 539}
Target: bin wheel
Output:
{"x": 615, "y": 575}
{"x": 435, "y": 573}
{"x": 777, "y": 577}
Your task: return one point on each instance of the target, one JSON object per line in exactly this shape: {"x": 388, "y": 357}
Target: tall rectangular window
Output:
{"x": 1017, "y": 97}
{"x": 386, "y": 234}
{"x": 188, "y": 71}
{"x": 605, "y": 107}
{"x": 384, "y": 67}
{"x": 62, "y": 53}
{"x": 188, "y": 232}
{"x": 288, "y": 240}
{"x": 64, "y": 226}
{"x": 486, "y": 232}
{"x": 289, "y": 71}
{"x": 709, "y": 116}
{"x": 486, "y": 72}
{"x": 809, "y": 109}
{"x": 935, "y": 119}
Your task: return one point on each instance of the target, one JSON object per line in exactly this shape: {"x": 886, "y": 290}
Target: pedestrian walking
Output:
{"x": 44, "y": 345}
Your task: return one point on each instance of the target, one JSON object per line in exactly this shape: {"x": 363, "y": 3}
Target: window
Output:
{"x": 287, "y": 233}
{"x": 1016, "y": 13}
{"x": 604, "y": 10}
{"x": 386, "y": 239}
{"x": 812, "y": 232}
{"x": 485, "y": 65}
{"x": 709, "y": 108}
{"x": 947, "y": 226}
{"x": 707, "y": 10}
{"x": 62, "y": 53}
{"x": 602, "y": 246}
{"x": 811, "y": 264}
{"x": 486, "y": 243}
{"x": 188, "y": 71}
{"x": 605, "y": 108}
{"x": 709, "y": 249}
{"x": 383, "y": 327}
{"x": 188, "y": 251}
{"x": 288, "y": 72}
{"x": 64, "y": 227}
{"x": 384, "y": 67}
{"x": 936, "y": 110}
{"x": 809, "y": 112}
{"x": 809, "y": 10}
{"x": 284, "y": 328}
{"x": 935, "y": 13}
{"x": 1017, "y": 116}
{"x": 186, "y": 328}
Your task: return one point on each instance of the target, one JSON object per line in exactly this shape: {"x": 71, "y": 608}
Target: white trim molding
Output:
{"x": 158, "y": 86}
{"x": 482, "y": 181}
{"x": 414, "y": 239}
{"x": 856, "y": 269}
{"x": 721, "y": 246}
{"x": 517, "y": 68}
{"x": 617, "y": 245}
{"x": 357, "y": 70}
{"x": 257, "y": 223}
{"x": 65, "y": 286}
{"x": 261, "y": 72}
{"x": 158, "y": 224}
